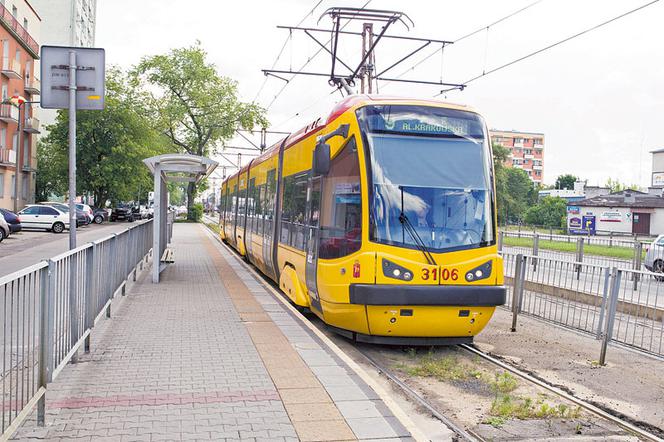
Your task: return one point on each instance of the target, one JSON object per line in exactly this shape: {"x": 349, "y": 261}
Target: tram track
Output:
{"x": 417, "y": 398}
{"x": 609, "y": 415}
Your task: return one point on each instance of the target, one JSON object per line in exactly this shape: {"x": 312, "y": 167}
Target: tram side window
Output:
{"x": 241, "y": 207}
{"x": 233, "y": 218}
{"x": 269, "y": 201}
{"x": 341, "y": 211}
{"x": 258, "y": 205}
{"x": 294, "y": 204}
{"x": 251, "y": 203}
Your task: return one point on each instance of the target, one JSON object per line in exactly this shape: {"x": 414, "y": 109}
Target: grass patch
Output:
{"x": 570, "y": 247}
{"x": 447, "y": 368}
{"x": 505, "y": 405}
{"x": 213, "y": 227}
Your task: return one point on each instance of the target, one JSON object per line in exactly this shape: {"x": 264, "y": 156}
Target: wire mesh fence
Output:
{"x": 48, "y": 310}
{"x": 612, "y": 303}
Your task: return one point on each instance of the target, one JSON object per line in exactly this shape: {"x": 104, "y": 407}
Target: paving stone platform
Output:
{"x": 209, "y": 354}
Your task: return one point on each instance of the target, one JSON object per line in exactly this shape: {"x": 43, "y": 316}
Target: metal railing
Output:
{"x": 614, "y": 304}
{"x": 49, "y": 309}
{"x": 12, "y": 23}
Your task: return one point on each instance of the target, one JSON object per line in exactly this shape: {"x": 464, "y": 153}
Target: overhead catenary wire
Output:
{"x": 463, "y": 37}
{"x": 283, "y": 48}
{"x": 553, "y": 45}
{"x": 309, "y": 60}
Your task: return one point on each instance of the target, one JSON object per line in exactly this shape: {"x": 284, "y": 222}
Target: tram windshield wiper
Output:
{"x": 408, "y": 227}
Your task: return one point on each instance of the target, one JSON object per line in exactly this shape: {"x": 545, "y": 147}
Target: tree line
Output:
{"x": 170, "y": 103}
{"x": 517, "y": 197}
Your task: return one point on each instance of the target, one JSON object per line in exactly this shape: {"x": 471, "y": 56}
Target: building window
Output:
{"x": 25, "y": 23}
{"x": 24, "y": 187}
{"x": 2, "y": 185}
{"x": 528, "y": 151}
{"x": 13, "y": 186}
{"x": 26, "y": 152}
{"x": 538, "y": 173}
{"x": 3, "y": 138}
{"x": 518, "y": 140}
{"x": 14, "y": 11}
{"x": 15, "y": 142}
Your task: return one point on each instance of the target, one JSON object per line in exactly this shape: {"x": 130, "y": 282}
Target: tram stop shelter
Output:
{"x": 182, "y": 168}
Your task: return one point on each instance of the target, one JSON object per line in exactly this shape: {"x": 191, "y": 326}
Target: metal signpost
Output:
{"x": 72, "y": 78}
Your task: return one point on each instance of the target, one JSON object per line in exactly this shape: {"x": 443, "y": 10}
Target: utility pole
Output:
{"x": 366, "y": 71}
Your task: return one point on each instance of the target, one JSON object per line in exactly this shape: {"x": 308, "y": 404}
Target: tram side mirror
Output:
{"x": 321, "y": 164}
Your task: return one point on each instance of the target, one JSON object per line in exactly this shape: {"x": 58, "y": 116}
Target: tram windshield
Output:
{"x": 430, "y": 169}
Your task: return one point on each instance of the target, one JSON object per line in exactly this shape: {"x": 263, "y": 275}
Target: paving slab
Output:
{"x": 209, "y": 354}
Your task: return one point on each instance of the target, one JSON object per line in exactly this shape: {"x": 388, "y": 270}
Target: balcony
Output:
{"x": 529, "y": 156}
{"x": 8, "y": 113}
{"x": 22, "y": 36}
{"x": 31, "y": 125}
{"x": 11, "y": 68}
{"x": 536, "y": 167}
{"x": 518, "y": 144}
{"x": 7, "y": 156}
{"x": 538, "y": 146}
{"x": 32, "y": 85}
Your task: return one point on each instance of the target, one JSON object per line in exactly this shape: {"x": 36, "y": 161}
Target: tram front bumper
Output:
{"x": 429, "y": 295}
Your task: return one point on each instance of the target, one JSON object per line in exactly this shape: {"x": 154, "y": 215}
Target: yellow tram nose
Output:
{"x": 427, "y": 321}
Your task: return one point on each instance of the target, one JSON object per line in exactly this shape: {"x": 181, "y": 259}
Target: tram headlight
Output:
{"x": 395, "y": 271}
{"x": 479, "y": 272}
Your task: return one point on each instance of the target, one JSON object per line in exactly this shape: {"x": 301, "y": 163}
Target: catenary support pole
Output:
{"x": 72, "y": 150}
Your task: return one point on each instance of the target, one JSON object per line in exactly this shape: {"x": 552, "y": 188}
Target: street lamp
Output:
{"x": 18, "y": 101}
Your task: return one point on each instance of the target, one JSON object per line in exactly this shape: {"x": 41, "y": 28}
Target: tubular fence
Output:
{"x": 614, "y": 304}
{"x": 49, "y": 309}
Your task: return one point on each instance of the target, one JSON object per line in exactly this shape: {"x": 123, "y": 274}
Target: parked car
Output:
{"x": 124, "y": 212}
{"x": 5, "y": 231}
{"x": 655, "y": 255}
{"x": 45, "y": 217}
{"x": 12, "y": 219}
{"x": 99, "y": 215}
{"x": 87, "y": 210}
{"x": 81, "y": 217}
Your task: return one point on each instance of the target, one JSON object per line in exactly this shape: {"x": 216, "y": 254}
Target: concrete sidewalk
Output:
{"x": 210, "y": 354}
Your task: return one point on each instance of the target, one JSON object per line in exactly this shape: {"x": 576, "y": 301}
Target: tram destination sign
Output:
{"x": 90, "y": 77}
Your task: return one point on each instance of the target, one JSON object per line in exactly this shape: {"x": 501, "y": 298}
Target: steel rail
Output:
{"x": 580, "y": 402}
{"x": 420, "y": 400}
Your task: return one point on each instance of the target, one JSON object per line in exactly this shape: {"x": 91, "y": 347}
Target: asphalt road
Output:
{"x": 26, "y": 248}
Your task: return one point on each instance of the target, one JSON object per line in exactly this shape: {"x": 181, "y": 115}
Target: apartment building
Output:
{"x": 66, "y": 23}
{"x": 19, "y": 125}
{"x": 526, "y": 151}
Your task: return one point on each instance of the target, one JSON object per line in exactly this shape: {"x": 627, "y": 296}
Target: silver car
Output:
{"x": 655, "y": 255}
{"x": 4, "y": 228}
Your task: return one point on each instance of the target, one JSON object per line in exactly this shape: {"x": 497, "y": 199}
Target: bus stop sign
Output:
{"x": 90, "y": 77}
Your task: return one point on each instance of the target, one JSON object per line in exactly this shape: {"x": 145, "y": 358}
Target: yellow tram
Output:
{"x": 379, "y": 218}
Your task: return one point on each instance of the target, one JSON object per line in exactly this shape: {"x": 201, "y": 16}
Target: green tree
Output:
{"x": 515, "y": 192}
{"x": 566, "y": 181}
{"x": 110, "y": 147}
{"x": 617, "y": 186}
{"x": 192, "y": 104}
{"x": 549, "y": 212}
{"x": 52, "y": 174}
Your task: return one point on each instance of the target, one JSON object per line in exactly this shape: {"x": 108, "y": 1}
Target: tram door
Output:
{"x": 268, "y": 223}
{"x": 313, "y": 233}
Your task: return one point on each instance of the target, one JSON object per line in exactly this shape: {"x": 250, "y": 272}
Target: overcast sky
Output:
{"x": 598, "y": 98}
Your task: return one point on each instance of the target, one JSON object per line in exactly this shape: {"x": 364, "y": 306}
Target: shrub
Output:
{"x": 196, "y": 212}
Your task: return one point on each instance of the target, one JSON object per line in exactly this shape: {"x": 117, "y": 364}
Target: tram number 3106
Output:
{"x": 444, "y": 274}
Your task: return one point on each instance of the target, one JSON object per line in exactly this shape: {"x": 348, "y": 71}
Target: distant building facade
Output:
{"x": 581, "y": 191}
{"x": 66, "y": 23}
{"x": 526, "y": 151}
{"x": 19, "y": 69}
{"x": 627, "y": 212}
